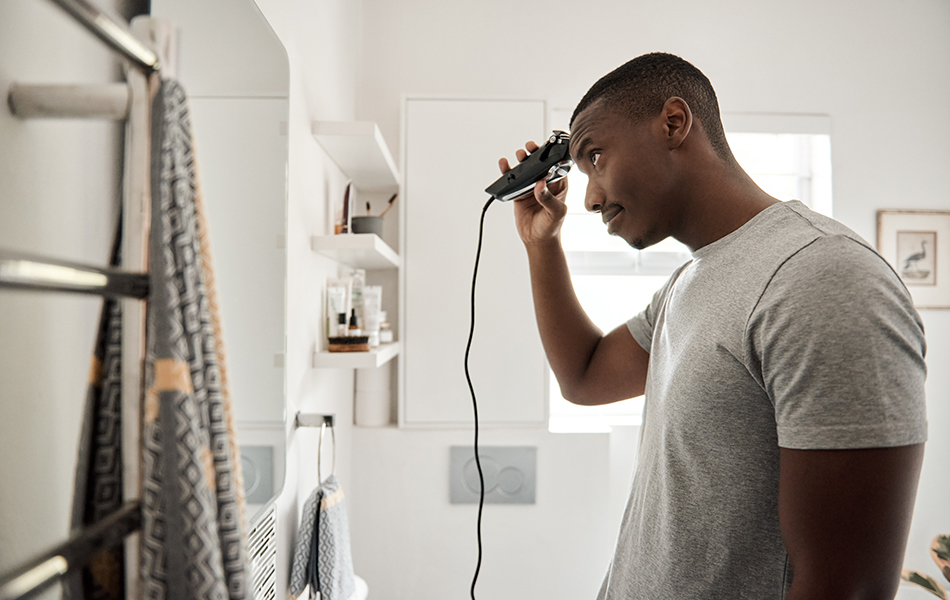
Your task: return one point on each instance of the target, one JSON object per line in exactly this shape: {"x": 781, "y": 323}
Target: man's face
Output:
{"x": 631, "y": 174}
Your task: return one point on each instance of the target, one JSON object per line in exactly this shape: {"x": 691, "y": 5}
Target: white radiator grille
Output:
{"x": 262, "y": 542}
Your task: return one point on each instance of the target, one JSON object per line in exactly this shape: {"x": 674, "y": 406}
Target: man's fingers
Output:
{"x": 529, "y": 148}
{"x": 548, "y": 199}
{"x": 543, "y": 195}
{"x": 504, "y": 166}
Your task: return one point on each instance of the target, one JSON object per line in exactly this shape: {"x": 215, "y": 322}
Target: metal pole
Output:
{"x": 114, "y": 34}
{"x": 26, "y": 272}
{"x": 41, "y": 572}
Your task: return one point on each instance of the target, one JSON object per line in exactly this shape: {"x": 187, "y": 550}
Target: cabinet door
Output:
{"x": 452, "y": 150}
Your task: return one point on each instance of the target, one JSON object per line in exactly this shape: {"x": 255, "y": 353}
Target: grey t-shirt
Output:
{"x": 790, "y": 331}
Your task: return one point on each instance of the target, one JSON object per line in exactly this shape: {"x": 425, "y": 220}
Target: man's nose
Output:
{"x": 593, "y": 199}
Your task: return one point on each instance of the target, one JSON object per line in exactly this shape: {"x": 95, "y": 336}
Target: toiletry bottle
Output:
{"x": 341, "y": 329}
{"x": 354, "y": 327}
{"x": 385, "y": 331}
{"x": 369, "y": 320}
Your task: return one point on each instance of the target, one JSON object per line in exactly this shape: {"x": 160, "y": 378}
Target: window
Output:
{"x": 615, "y": 282}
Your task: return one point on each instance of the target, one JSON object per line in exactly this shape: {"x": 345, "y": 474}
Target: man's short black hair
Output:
{"x": 640, "y": 87}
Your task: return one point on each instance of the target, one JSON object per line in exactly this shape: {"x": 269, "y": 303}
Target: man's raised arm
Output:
{"x": 591, "y": 368}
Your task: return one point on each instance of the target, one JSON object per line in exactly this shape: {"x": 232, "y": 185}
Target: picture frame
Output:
{"x": 917, "y": 244}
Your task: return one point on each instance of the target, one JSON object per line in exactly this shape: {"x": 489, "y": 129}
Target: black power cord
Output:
{"x": 468, "y": 349}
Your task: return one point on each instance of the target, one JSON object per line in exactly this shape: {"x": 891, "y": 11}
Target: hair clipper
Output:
{"x": 550, "y": 162}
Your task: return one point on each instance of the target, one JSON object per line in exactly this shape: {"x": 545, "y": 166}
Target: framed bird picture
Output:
{"x": 917, "y": 244}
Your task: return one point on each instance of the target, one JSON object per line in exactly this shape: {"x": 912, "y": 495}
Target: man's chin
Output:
{"x": 646, "y": 241}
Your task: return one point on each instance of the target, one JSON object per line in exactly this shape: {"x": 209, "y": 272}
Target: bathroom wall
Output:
{"x": 878, "y": 69}
{"x": 322, "y": 43}
{"x": 59, "y": 187}
{"x": 59, "y": 190}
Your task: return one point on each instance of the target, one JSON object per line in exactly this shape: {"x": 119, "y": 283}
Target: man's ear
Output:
{"x": 677, "y": 121}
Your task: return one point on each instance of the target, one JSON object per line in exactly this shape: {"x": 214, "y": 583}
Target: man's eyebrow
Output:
{"x": 581, "y": 146}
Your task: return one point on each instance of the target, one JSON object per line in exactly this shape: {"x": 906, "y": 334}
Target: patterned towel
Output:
{"x": 322, "y": 557}
{"x": 98, "y": 488}
{"x": 193, "y": 539}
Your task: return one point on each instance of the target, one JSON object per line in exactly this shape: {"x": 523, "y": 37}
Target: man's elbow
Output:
{"x": 585, "y": 393}
{"x": 580, "y": 394}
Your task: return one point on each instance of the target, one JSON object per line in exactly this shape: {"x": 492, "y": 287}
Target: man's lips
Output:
{"x": 609, "y": 213}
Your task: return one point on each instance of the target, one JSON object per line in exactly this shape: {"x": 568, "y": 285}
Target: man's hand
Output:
{"x": 538, "y": 216}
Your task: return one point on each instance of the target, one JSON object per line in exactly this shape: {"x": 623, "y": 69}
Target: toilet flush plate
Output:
{"x": 509, "y": 473}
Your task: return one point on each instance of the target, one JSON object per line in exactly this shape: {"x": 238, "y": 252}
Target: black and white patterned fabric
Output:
{"x": 193, "y": 540}
{"x": 322, "y": 559}
{"x": 98, "y": 484}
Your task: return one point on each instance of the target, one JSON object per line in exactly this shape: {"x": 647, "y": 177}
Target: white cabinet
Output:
{"x": 451, "y": 151}
{"x": 361, "y": 153}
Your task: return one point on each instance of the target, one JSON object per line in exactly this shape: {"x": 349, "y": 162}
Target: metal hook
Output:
{"x": 323, "y": 428}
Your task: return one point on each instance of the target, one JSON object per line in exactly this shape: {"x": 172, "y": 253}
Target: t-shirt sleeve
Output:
{"x": 641, "y": 326}
{"x": 839, "y": 348}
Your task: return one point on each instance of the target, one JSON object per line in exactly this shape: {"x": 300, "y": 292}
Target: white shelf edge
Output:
{"x": 376, "y": 357}
{"x": 355, "y": 144}
{"x": 360, "y": 250}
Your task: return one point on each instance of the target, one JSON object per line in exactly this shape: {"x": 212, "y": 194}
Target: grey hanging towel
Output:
{"x": 193, "y": 538}
{"x": 98, "y": 485}
{"x": 322, "y": 558}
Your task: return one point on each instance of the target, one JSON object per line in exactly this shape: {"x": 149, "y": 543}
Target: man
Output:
{"x": 783, "y": 366}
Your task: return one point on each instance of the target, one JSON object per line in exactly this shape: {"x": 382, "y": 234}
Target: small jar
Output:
{"x": 385, "y": 333}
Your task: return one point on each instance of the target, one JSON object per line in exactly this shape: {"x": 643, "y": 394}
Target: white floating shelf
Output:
{"x": 376, "y": 357}
{"x": 360, "y": 250}
{"x": 358, "y": 148}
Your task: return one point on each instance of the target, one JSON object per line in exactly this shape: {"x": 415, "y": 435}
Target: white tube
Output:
{"x": 372, "y": 302}
{"x": 338, "y": 292}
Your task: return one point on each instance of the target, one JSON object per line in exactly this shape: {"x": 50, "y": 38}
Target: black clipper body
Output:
{"x": 551, "y": 162}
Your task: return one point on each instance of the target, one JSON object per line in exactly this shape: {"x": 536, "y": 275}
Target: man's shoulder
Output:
{"x": 807, "y": 243}
{"x": 795, "y": 226}
{"x": 836, "y": 273}
{"x": 839, "y": 258}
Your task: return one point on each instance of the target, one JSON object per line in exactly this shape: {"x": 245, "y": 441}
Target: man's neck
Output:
{"x": 720, "y": 201}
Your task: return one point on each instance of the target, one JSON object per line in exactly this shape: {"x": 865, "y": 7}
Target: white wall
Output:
{"x": 322, "y": 42}
{"x": 59, "y": 186}
{"x": 878, "y": 69}
{"x": 59, "y": 192}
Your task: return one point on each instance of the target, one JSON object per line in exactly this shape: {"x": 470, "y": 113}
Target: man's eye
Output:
{"x": 593, "y": 158}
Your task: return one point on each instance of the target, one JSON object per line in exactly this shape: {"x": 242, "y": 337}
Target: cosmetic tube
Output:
{"x": 356, "y": 294}
{"x": 338, "y": 295}
{"x": 372, "y": 302}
